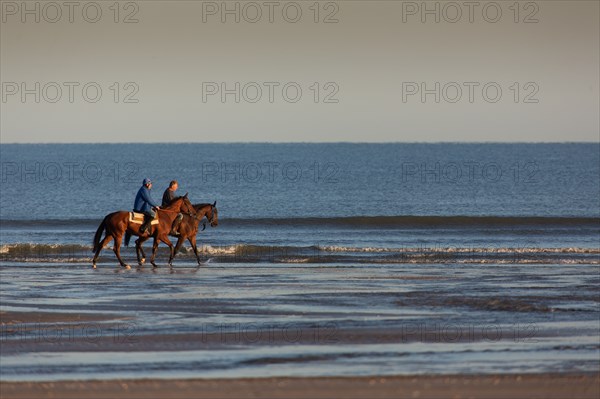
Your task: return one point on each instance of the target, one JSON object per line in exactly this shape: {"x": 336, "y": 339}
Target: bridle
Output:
{"x": 210, "y": 220}
{"x": 212, "y": 214}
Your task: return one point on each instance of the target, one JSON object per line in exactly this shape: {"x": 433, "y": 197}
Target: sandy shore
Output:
{"x": 455, "y": 386}
{"x": 146, "y": 336}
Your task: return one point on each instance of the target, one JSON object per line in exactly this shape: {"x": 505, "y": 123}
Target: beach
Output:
{"x": 284, "y": 330}
{"x": 452, "y": 386}
{"x": 467, "y": 385}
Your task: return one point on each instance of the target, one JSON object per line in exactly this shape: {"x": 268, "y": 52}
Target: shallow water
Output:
{"x": 256, "y": 319}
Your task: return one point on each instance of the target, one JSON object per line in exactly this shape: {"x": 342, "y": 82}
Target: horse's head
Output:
{"x": 209, "y": 211}
{"x": 213, "y": 215}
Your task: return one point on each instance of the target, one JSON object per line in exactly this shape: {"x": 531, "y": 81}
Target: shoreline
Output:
{"x": 546, "y": 385}
{"x": 376, "y": 332}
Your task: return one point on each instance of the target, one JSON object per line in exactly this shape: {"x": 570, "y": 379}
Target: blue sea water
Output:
{"x": 357, "y": 200}
{"x": 254, "y": 181}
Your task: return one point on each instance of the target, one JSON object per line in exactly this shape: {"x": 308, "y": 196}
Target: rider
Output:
{"x": 144, "y": 204}
{"x": 167, "y": 199}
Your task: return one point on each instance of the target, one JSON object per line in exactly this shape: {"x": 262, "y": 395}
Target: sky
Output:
{"x": 359, "y": 71}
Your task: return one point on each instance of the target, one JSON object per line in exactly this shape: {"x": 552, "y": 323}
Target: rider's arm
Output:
{"x": 148, "y": 199}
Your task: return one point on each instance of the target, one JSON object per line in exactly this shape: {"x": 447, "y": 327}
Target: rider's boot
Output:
{"x": 175, "y": 225}
{"x": 146, "y": 225}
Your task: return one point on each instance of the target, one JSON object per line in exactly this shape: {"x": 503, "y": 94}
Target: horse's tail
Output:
{"x": 127, "y": 238}
{"x": 99, "y": 234}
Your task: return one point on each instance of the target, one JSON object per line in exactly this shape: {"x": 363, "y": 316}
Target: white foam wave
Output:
{"x": 533, "y": 250}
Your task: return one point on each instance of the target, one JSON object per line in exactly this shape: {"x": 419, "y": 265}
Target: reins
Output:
{"x": 193, "y": 215}
{"x": 180, "y": 211}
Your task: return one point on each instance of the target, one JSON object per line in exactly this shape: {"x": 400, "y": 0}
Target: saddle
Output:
{"x": 138, "y": 218}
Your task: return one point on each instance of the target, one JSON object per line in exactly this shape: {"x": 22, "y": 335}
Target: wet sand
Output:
{"x": 541, "y": 385}
{"x": 452, "y": 386}
{"x": 294, "y": 332}
{"x": 54, "y": 332}
{"x": 12, "y": 317}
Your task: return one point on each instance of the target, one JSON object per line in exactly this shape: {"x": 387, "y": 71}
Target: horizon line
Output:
{"x": 298, "y": 142}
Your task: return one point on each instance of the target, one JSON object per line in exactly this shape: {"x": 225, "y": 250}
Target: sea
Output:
{"x": 342, "y": 236}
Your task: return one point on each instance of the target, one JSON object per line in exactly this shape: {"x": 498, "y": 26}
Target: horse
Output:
{"x": 117, "y": 224}
{"x": 188, "y": 229}
{"x": 189, "y": 232}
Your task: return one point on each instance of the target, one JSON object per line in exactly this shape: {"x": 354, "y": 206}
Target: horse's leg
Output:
{"x": 140, "y": 250}
{"x": 137, "y": 252}
{"x": 154, "y": 249}
{"x": 192, "y": 240}
{"x": 117, "y": 249}
{"x": 178, "y": 245}
{"x": 164, "y": 238}
{"x": 105, "y": 241}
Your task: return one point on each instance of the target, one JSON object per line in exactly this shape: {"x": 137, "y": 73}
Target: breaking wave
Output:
{"x": 246, "y": 253}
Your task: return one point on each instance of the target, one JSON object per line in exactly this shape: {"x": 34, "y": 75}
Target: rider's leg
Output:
{"x": 175, "y": 225}
{"x": 148, "y": 216}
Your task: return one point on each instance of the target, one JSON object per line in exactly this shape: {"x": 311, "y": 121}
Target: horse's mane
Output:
{"x": 201, "y": 205}
{"x": 173, "y": 202}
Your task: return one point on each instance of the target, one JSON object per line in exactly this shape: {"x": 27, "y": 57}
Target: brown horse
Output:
{"x": 117, "y": 224}
{"x": 188, "y": 229}
{"x": 211, "y": 213}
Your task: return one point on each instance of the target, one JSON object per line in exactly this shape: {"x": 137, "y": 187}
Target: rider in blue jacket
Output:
{"x": 144, "y": 204}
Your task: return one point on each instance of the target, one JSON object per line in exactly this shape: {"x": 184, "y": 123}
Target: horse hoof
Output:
{"x": 94, "y": 266}
{"x": 142, "y": 261}
{"x": 154, "y": 265}
{"x": 127, "y": 267}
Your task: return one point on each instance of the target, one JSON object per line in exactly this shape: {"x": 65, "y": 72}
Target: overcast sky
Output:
{"x": 290, "y": 71}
